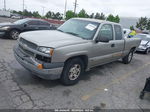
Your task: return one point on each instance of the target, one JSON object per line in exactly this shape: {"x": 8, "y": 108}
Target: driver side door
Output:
{"x": 31, "y": 25}
{"x": 103, "y": 51}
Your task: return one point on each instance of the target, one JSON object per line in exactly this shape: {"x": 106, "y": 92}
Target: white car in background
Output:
{"x": 126, "y": 32}
{"x": 145, "y": 43}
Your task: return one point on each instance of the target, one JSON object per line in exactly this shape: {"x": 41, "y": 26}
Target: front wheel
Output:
{"x": 14, "y": 34}
{"x": 147, "y": 51}
{"x": 72, "y": 71}
{"x": 127, "y": 59}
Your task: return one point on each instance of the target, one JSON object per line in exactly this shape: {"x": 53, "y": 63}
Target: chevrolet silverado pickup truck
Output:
{"x": 75, "y": 47}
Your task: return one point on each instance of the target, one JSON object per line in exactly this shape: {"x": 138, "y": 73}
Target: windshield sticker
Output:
{"x": 91, "y": 27}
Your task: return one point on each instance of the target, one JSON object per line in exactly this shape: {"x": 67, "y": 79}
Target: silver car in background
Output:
{"x": 145, "y": 43}
{"x": 126, "y": 32}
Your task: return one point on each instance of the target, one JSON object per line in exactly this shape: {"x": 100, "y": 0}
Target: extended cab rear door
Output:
{"x": 119, "y": 42}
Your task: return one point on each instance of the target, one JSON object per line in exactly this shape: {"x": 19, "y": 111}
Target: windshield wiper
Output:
{"x": 60, "y": 30}
{"x": 72, "y": 33}
{"x": 75, "y": 34}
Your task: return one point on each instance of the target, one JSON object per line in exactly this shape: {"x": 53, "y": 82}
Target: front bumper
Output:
{"x": 53, "y": 72}
{"x": 2, "y": 33}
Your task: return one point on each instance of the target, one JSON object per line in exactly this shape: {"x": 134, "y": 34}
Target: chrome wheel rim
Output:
{"x": 15, "y": 34}
{"x": 74, "y": 72}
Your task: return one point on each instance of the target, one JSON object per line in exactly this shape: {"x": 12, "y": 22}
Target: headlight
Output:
{"x": 142, "y": 47}
{"x": 5, "y": 27}
{"x": 46, "y": 50}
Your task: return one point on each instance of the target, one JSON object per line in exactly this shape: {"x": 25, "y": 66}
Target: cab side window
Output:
{"x": 118, "y": 32}
{"x": 44, "y": 23}
{"x": 106, "y": 31}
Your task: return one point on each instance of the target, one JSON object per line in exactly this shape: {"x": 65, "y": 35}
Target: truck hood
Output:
{"x": 143, "y": 42}
{"x": 52, "y": 38}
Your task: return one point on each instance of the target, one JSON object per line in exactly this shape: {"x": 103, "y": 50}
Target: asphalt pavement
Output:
{"x": 111, "y": 86}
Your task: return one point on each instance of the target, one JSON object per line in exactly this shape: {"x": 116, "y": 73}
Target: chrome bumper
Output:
{"x": 53, "y": 72}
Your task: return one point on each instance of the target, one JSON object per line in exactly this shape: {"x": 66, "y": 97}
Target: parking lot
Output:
{"x": 111, "y": 86}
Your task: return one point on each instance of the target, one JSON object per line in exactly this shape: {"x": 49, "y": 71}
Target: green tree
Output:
{"x": 17, "y": 12}
{"x": 102, "y": 16}
{"x": 70, "y": 14}
{"x": 27, "y": 13}
{"x": 36, "y": 14}
{"x": 117, "y": 19}
{"x": 20, "y": 12}
{"x": 48, "y": 14}
{"x": 142, "y": 23}
{"x": 148, "y": 25}
{"x": 97, "y": 16}
{"x": 57, "y": 16}
{"x": 91, "y": 16}
{"x": 52, "y": 15}
{"x": 83, "y": 14}
{"x": 132, "y": 27}
{"x": 110, "y": 18}
{"x": 113, "y": 18}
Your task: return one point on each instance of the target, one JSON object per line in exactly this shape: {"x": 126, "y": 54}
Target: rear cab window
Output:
{"x": 118, "y": 32}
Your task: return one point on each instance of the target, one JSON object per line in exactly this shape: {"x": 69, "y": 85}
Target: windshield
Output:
{"x": 80, "y": 28}
{"x": 20, "y": 21}
{"x": 143, "y": 37}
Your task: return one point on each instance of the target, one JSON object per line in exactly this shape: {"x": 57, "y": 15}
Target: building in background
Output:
{"x": 4, "y": 13}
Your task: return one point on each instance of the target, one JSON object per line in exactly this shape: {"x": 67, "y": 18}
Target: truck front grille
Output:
{"x": 24, "y": 46}
{"x": 26, "y": 52}
{"x": 27, "y": 43}
{"x": 43, "y": 58}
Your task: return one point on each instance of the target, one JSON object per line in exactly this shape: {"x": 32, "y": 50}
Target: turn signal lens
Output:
{"x": 40, "y": 66}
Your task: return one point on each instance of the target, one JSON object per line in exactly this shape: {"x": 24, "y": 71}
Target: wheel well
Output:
{"x": 84, "y": 58}
{"x": 15, "y": 29}
{"x": 133, "y": 48}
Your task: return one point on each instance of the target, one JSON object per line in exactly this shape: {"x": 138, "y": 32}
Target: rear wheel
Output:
{"x": 73, "y": 69}
{"x": 127, "y": 59}
{"x": 14, "y": 34}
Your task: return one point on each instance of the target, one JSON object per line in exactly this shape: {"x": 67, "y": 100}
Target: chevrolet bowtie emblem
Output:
{"x": 25, "y": 46}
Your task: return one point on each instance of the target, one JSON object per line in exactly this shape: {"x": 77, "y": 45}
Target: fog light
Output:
{"x": 40, "y": 66}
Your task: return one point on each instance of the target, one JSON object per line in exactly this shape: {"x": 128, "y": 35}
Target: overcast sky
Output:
{"x": 124, "y": 8}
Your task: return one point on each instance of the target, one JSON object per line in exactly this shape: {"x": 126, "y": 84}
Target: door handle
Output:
{"x": 112, "y": 45}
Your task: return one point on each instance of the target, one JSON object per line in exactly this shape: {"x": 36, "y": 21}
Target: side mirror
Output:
{"x": 102, "y": 39}
{"x": 25, "y": 25}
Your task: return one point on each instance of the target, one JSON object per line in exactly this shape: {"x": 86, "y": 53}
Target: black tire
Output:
{"x": 147, "y": 51}
{"x": 141, "y": 95}
{"x": 128, "y": 58}
{"x": 68, "y": 71}
{"x": 14, "y": 34}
